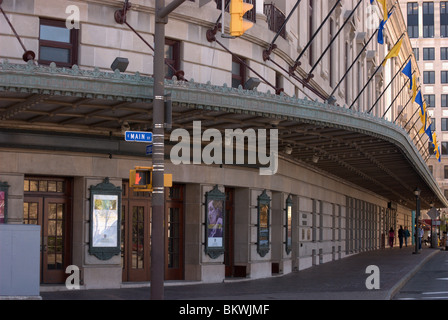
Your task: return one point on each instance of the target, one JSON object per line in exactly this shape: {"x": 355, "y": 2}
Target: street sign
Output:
{"x": 433, "y": 213}
{"x": 149, "y": 149}
{"x": 138, "y": 136}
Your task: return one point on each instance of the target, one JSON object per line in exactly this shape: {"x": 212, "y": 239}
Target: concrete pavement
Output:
{"x": 343, "y": 279}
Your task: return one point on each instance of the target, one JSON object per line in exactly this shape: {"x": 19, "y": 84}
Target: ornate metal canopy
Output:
{"x": 360, "y": 148}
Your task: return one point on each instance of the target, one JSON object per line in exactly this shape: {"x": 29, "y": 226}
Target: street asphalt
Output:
{"x": 343, "y": 279}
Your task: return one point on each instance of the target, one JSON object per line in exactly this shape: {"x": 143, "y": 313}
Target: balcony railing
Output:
{"x": 275, "y": 18}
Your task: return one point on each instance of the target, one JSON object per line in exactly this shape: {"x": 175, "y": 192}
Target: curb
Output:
{"x": 397, "y": 287}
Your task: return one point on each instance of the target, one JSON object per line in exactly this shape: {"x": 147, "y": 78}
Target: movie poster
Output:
{"x": 264, "y": 226}
{"x": 215, "y": 223}
{"x": 105, "y": 221}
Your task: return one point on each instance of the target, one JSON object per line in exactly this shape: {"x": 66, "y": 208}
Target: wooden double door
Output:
{"x": 136, "y": 234}
{"x": 229, "y": 233}
{"x": 47, "y": 202}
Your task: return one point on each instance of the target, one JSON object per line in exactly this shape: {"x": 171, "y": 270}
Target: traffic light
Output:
{"x": 237, "y": 24}
{"x": 141, "y": 179}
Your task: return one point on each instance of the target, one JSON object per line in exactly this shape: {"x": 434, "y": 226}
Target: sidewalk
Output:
{"x": 338, "y": 280}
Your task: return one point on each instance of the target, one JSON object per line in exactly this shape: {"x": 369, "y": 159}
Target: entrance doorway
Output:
{"x": 136, "y": 234}
{"x": 47, "y": 202}
{"x": 174, "y": 246}
{"x": 229, "y": 238}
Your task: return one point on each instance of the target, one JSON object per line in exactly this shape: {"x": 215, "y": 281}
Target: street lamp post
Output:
{"x": 417, "y": 215}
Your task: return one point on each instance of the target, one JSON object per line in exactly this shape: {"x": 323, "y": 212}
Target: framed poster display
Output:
{"x": 263, "y": 218}
{"x": 3, "y": 202}
{"x": 288, "y": 225}
{"x": 105, "y": 216}
{"x": 215, "y": 201}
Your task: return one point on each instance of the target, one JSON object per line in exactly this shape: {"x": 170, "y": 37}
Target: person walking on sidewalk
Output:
{"x": 407, "y": 234}
{"x": 391, "y": 237}
{"x": 420, "y": 236}
{"x": 401, "y": 236}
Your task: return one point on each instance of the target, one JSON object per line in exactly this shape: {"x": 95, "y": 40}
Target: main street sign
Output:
{"x": 138, "y": 136}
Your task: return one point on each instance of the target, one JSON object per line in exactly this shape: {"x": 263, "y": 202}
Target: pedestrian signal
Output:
{"x": 141, "y": 179}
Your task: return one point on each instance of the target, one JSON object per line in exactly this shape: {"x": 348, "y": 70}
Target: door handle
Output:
{"x": 44, "y": 247}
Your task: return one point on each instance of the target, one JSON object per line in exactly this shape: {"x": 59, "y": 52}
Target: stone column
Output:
{"x": 96, "y": 273}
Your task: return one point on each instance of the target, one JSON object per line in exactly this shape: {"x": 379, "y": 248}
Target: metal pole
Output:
{"x": 371, "y": 77}
{"x": 158, "y": 196}
{"x": 316, "y": 32}
{"x": 417, "y": 214}
{"x": 286, "y": 21}
{"x": 423, "y": 144}
{"x": 396, "y": 96}
{"x": 353, "y": 63}
{"x": 415, "y": 122}
{"x": 27, "y": 54}
{"x": 158, "y": 161}
{"x": 387, "y": 87}
{"x": 310, "y": 74}
{"x": 163, "y": 12}
{"x": 403, "y": 108}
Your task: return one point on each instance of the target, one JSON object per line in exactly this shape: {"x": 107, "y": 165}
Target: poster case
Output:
{"x": 105, "y": 220}
{"x": 215, "y": 202}
{"x": 288, "y": 225}
{"x": 263, "y": 219}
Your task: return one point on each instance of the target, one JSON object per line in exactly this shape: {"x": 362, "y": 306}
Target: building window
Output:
{"x": 57, "y": 43}
{"x": 444, "y": 76}
{"x": 444, "y": 53}
{"x": 430, "y": 148}
{"x": 445, "y": 192}
{"x": 444, "y": 124}
{"x": 445, "y": 171}
{"x": 430, "y": 100}
{"x": 444, "y": 148}
{"x": 444, "y": 18}
{"x": 172, "y": 58}
{"x": 428, "y": 19}
{"x": 238, "y": 73}
{"x": 413, "y": 20}
{"x": 428, "y": 77}
{"x": 331, "y": 54}
{"x": 444, "y": 101}
{"x": 428, "y": 53}
{"x": 416, "y": 53}
{"x": 433, "y": 126}
{"x": 346, "y": 63}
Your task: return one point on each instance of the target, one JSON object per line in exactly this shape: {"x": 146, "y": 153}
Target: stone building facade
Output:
{"x": 347, "y": 175}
